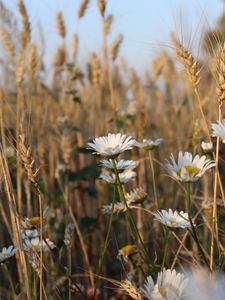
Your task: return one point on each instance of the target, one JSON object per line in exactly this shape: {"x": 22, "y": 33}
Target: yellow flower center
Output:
{"x": 129, "y": 249}
{"x": 34, "y": 221}
{"x": 172, "y": 222}
{"x": 190, "y": 170}
{"x": 3, "y": 254}
{"x": 162, "y": 290}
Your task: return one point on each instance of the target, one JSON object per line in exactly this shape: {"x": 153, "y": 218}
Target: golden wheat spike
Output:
{"x": 61, "y": 24}
{"x": 20, "y": 68}
{"x": 95, "y": 70}
{"x": 7, "y": 42}
{"x": 28, "y": 161}
{"x": 33, "y": 60}
{"x": 107, "y": 24}
{"x": 26, "y": 32}
{"x": 221, "y": 74}
{"x": 102, "y": 6}
{"x": 188, "y": 61}
{"x": 60, "y": 56}
{"x": 116, "y": 45}
{"x": 82, "y": 9}
{"x": 75, "y": 44}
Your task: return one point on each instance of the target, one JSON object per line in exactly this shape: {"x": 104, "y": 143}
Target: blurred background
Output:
{"x": 145, "y": 24}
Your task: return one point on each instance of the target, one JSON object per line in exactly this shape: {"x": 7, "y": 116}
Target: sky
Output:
{"x": 145, "y": 24}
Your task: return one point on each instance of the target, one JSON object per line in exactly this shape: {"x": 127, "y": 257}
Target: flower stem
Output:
{"x": 106, "y": 240}
{"x": 123, "y": 200}
{"x": 167, "y": 238}
{"x": 153, "y": 179}
{"x": 192, "y": 230}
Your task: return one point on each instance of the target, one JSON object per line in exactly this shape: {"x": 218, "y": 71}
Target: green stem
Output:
{"x": 167, "y": 238}
{"x": 153, "y": 179}
{"x": 106, "y": 240}
{"x": 192, "y": 230}
{"x": 123, "y": 200}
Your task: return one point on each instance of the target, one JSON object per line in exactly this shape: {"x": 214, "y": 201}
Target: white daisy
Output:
{"x": 189, "y": 169}
{"x": 29, "y": 234}
{"x": 118, "y": 208}
{"x": 219, "y": 129}
{"x": 138, "y": 195}
{"x": 207, "y": 147}
{"x": 112, "y": 144}
{"x": 149, "y": 144}
{"x": 6, "y": 253}
{"x": 126, "y": 176}
{"x": 169, "y": 286}
{"x": 173, "y": 219}
{"x": 121, "y": 165}
{"x": 35, "y": 244}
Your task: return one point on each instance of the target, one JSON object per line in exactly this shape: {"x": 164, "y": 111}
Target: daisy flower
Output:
{"x": 173, "y": 219}
{"x": 207, "y": 147}
{"x": 29, "y": 234}
{"x": 126, "y": 176}
{"x": 35, "y": 244}
{"x": 149, "y": 145}
{"x": 189, "y": 169}
{"x": 117, "y": 208}
{"x": 121, "y": 165}
{"x": 169, "y": 286}
{"x": 111, "y": 145}
{"x": 219, "y": 129}
{"x": 138, "y": 195}
{"x": 6, "y": 253}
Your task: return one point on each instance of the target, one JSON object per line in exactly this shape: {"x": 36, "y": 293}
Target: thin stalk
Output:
{"x": 69, "y": 270}
{"x": 167, "y": 238}
{"x": 192, "y": 230}
{"x": 153, "y": 179}
{"x": 106, "y": 240}
{"x": 41, "y": 240}
{"x": 214, "y": 214}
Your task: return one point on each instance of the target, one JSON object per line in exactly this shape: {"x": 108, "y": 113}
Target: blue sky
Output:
{"x": 145, "y": 24}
